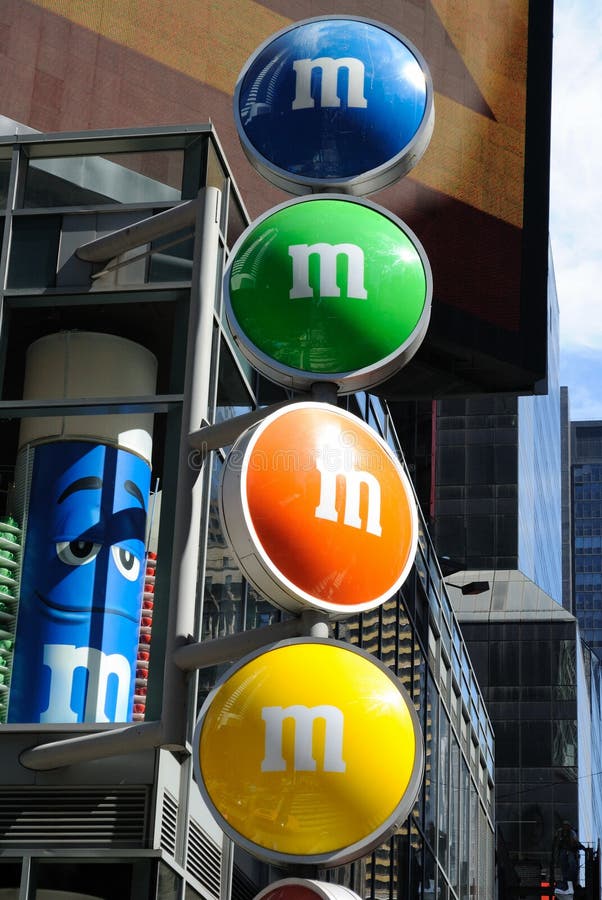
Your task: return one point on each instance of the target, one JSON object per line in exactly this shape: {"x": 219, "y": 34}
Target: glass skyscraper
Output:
{"x": 498, "y": 524}
{"x": 539, "y": 464}
{"x": 586, "y": 478}
{"x": 497, "y": 479}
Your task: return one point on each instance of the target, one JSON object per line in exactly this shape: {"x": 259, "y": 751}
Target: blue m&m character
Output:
{"x": 81, "y": 585}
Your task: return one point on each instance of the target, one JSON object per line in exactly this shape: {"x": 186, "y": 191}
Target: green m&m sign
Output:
{"x": 328, "y": 288}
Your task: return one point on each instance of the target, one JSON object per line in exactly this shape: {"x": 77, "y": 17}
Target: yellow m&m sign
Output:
{"x": 309, "y": 752}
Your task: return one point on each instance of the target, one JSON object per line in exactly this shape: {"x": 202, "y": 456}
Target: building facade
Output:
{"x": 133, "y": 825}
{"x": 586, "y": 497}
{"x": 497, "y": 487}
{"x": 500, "y": 508}
{"x": 477, "y": 201}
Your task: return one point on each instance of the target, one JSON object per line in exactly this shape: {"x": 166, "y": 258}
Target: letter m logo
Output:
{"x": 303, "y": 721}
{"x": 327, "y": 256}
{"x": 63, "y": 660}
{"x": 328, "y": 70}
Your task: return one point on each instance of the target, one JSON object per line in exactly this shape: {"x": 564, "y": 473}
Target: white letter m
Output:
{"x": 303, "y": 718}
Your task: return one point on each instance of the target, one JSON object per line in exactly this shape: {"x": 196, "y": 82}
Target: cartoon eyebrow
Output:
{"x": 90, "y": 482}
{"x": 135, "y": 491}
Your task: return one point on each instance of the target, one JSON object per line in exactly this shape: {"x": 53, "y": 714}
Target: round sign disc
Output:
{"x": 334, "y": 103}
{"x": 309, "y": 752}
{"x": 318, "y": 511}
{"x": 328, "y": 289}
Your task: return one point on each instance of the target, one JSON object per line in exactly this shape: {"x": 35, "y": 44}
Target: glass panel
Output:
{"x": 34, "y": 252}
{"x": 416, "y": 868}
{"x": 474, "y": 844}
{"x": 10, "y": 878}
{"x": 383, "y": 872}
{"x": 171, "y": 258}
{"x": 389, "y": 649}
{"x": 432, "y": 757}
{"x": 443, "y": 792}
{"x": 191, "y": 894}
{"x": 430, "y": 875}
{"x": 216, "y": 176}
{"x": 564, "y": 742}
{"x": 4, "y": 179}
{"x": 259, "y": 611}
{"x": 404, "y": 652}
{"x": 419, "y": 675}
{"x": 168, "y": 887}
{"x": 145, "y": 177}
{"x": 249, "y": 372}
{"x": 222, "y": 606}
{"x": 464, "y": 830}
{"x": 237, "y": 220}
{"x": 454, "y": 808}
{"x": 370, "y": 631}
{"x": 233, "y": 397}
{"x": 106, "y": 881}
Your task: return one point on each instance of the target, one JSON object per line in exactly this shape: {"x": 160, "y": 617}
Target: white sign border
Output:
{"x": 244, "y": 541}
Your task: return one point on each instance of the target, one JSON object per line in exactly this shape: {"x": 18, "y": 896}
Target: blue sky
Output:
{"x": 576, "y": 199}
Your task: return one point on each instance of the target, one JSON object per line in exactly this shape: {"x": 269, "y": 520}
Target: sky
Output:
{"x": 576, "y": 199}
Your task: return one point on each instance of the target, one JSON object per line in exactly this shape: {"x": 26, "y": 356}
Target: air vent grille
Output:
{"x": 60, "y": 817}
{"x": 169, "y": 824}
{"x": 204, "y": 859}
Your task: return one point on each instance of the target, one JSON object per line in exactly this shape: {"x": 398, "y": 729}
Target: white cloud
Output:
{"x": 576, "y": 171}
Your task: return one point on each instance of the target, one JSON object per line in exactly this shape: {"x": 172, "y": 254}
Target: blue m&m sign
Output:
{"x": 334, "y": 103}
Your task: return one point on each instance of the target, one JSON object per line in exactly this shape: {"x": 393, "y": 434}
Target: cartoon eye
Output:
{"x": 77, "y": 553}
{"x": 126, "y": 562}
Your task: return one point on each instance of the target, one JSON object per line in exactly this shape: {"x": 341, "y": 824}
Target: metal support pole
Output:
{"x": 188, "y": 512}
{"x": 139, "y": 233}
{"x": 325, "y": 392}
{"x": 89, "y": 747}
{"x": 223, "y": 434}
{"x": 226, "y": 649}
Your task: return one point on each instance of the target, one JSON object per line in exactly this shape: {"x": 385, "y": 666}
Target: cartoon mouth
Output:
{"x": 104, "y": 610}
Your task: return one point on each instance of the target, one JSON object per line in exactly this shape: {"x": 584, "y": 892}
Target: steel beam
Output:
{"x": 88, "y": 747}
{"x": 234, "y": 646}
{"x": 143, "y": 232}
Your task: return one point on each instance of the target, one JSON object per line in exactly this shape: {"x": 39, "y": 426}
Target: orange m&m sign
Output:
{"x": 318, "y": 511}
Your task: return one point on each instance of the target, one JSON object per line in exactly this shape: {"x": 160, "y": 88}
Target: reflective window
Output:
{"x": 171, "y": 258}
{"x": 168, "y": 885}
{"x": 4, "y": 179}
{"x": 222, "y": 603}
{"x": 233, "y": 397}
{"x": 34, "y": 252}
{"x": 454, "y": 812}
{"x": 431, "y": 762}
{"x": 100, "y": 881}
{"x": 443, "y": 792}
{"x": 145, "y": 177}
{"x": 10, "y": 877}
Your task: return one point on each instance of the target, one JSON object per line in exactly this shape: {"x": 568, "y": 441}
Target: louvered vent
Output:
{"x": 242, "y": 887}
{"x": 63, "y": 817}
{"x": 204, "y": 859}
{"x": 169, "y": 823}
